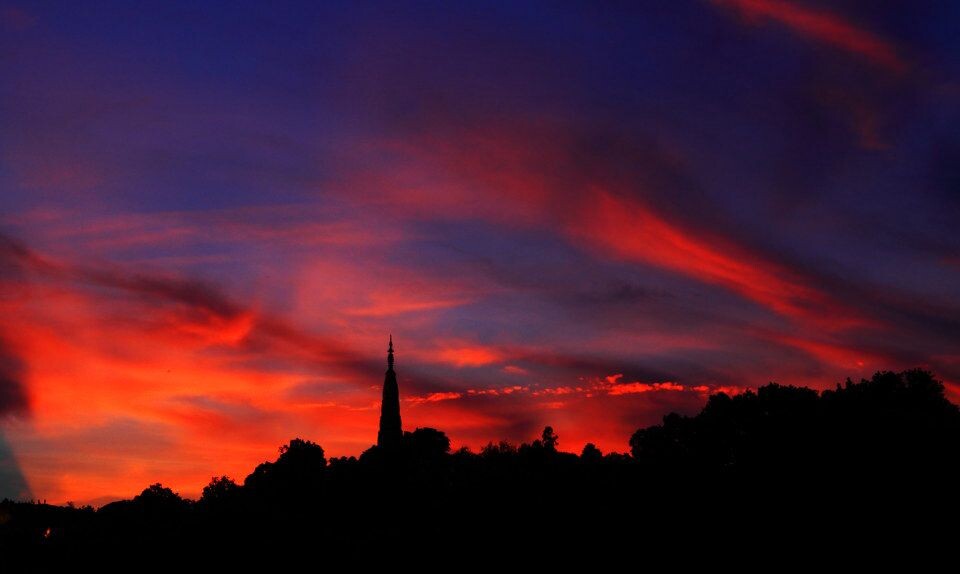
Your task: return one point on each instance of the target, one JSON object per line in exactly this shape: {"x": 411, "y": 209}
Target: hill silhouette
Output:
{"x": 783, "y": 468}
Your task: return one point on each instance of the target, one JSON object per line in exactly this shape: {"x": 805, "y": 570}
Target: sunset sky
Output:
{"x": 582, "y": 214}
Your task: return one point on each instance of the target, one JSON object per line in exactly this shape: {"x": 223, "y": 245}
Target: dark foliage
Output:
{"x": 892, "y": 424}
{"x": 295, "y": 473}
{"x": 780, "y": 470}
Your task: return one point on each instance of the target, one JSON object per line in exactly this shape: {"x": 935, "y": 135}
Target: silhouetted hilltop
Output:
{"x": 782, "y": 466}
{"x": 893, "y": 423}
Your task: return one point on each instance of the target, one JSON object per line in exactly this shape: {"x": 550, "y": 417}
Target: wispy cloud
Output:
{"x": 825, "y": 27}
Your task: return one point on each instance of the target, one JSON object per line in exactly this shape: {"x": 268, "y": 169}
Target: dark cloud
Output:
{"x": 13, "y": 392}
{"x": 12, "y": 250}
{"x": 944, "y": 178}
{"x": 16, "y": 257}
{"x": 192, "y": 294}
{"x": 13, "y": 484}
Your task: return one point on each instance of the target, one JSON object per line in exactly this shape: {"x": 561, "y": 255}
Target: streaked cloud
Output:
{"x": 825, "y": 27}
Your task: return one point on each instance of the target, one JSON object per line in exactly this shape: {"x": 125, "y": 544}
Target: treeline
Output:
{"x": 778, "y": 465}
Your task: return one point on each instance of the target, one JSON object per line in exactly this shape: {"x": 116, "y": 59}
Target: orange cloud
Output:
{"x": 638, "y": 387}
{"x": 608, "y": 385}
{"x": 825, "y": 27}
{"x": 469, "y": 356}
{"x": 434, "y": 398}
{"x": 172, "y": 360}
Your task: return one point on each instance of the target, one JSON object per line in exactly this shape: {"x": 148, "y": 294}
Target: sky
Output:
{"x": 577, "y": 214}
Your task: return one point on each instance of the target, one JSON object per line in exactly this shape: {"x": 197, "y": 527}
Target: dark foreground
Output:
{"x": 868, "y": 472}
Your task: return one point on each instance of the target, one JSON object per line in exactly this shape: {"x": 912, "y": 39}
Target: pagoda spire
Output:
{"x": 391, "y": 431}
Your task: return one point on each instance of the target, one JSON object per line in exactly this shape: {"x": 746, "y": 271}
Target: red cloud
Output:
{"x": 841, "y": 356}
{"x": 469, "y": 356}
{"x": 515, "y": 181}
{"x": 633, "y": 231}
{"x": 825, "y": 27}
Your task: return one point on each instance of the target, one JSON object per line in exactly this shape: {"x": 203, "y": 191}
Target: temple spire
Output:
{"x": 391, "y": 433}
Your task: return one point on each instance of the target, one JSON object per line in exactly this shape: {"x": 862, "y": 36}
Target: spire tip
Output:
{"x": 390, "y": 353}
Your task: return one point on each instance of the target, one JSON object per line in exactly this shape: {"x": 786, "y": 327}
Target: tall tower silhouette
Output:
{"x": 390, "y": 431}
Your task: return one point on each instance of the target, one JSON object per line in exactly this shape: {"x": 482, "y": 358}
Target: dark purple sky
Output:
{"x": 583, "y": 214}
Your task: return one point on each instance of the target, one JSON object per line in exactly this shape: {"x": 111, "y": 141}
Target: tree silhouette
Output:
{"x": 157, "y": 499}
{"x": 783, "y": 464}
{"x": 221, "y": 491}
{"x": 298, "y": 470}
{"x": 550, "y": 439}
{"x": 500, "y": 449}
{"x": 426, "y": 443}
{"x": 591, "y": 453}
{"x": 891, "y": 422}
